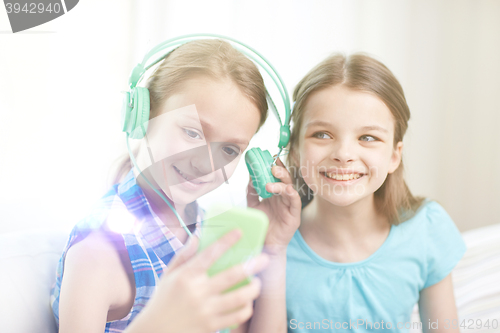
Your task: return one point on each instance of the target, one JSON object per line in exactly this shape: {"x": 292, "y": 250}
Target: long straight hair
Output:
{"x": 363, "y": 73}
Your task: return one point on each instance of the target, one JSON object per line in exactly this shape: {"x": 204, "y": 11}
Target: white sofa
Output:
{"x": 28, "y": 261}
{"x": 476, "y": 281}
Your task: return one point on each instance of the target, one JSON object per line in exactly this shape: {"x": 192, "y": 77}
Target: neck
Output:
{"x": 342, "y": 224}
{"x": 160, "y": 207}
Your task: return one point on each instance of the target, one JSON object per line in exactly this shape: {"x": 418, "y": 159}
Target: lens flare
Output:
{"x": 120, "y": 221}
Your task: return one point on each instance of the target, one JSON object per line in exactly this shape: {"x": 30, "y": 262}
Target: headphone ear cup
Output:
{"x": 259, "y": 166}
{"x": 140, "y": 113}
{"x": 126, "y": 111}
{"x": 130, "y": 113}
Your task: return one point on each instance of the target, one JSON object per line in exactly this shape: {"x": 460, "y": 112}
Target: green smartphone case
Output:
{"x": 252, "y": 222}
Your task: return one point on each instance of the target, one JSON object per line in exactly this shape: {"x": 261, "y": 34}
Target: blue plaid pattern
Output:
{"x": 150, "y": 244}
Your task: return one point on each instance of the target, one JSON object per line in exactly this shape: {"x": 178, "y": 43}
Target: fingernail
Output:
{"x": 235, "y": 234}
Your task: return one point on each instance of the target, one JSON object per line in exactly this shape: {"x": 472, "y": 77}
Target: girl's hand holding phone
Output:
{"x": 188, "y": 300}
{"x": 283, "y": 209}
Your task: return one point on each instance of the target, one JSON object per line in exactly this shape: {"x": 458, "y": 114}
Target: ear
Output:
{"x": 295, "y": 157}
{"x": 396, "y": 157}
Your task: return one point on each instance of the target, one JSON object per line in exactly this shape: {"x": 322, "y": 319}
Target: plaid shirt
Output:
{"x": 150, "y": 244}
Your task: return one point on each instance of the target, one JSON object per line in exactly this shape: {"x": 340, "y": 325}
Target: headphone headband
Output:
{"x": 169, "y": 45}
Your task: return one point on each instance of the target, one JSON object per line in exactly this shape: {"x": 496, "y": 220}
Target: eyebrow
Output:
{"x": 364, "y": 128}
{"x": 375, "y": 128}
{"x": 318, "y": 123}
{"x": 209, "y": 128}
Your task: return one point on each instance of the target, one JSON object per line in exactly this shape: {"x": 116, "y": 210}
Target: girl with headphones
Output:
{"x": 197, "y": 115}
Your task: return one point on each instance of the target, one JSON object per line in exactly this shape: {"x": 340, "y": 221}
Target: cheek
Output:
{"x": 165, "y": 142}
{"x": 311, "y": 155}
{"x": 218, "y": 179}
{"x": 229, "y": 168}
{"x": 378, "y": 163}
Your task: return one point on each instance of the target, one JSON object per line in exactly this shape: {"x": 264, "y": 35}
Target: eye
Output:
{"x": 231, "y": 151}
{"x": 192, "y": 134}
{"x": 368, "y": 138}
{"x": 321, "y": 135}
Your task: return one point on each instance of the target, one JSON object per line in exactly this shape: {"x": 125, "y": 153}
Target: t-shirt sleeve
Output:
{"x": 444, "y": 244}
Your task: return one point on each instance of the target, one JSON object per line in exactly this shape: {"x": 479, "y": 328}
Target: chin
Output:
{"x": 342, "y": 201}
{"x": 346, "y": 198}
{"x": 182, "y": 197}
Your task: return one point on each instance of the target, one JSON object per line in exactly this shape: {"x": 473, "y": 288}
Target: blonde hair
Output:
{"x": 212, "y": 58}
{"x": 363, "y": 73}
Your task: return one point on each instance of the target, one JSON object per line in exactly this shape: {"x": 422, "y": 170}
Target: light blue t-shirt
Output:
{"x": 378, "y": 293}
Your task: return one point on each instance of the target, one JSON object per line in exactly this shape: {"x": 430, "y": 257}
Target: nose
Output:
{"x": 202, "y": 161}
{"x": 342, "y": 152}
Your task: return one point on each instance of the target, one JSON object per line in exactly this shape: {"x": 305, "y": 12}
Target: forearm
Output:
{"x": 270, "y": 308}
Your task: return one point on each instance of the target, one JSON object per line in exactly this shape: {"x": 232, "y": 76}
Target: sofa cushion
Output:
{"x": 476, "y": 282}
{"x": 28, "y": 261}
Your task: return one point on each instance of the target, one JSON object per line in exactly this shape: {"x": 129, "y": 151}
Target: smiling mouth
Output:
{"x": 342, "y": 177}
{"x": 188, "y": 178}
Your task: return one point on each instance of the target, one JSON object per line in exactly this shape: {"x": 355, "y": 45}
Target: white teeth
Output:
{"x": 183, "y": 175}
{"x": 186, "y": 178}
{"x": 343, "y": 177}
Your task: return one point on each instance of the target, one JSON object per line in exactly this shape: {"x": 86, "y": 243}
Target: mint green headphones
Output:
{"x": 135, "y": 110}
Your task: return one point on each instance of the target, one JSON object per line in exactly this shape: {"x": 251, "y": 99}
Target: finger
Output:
{"x": 285, "y": 199}
{"x": 295, "y": 205}
{"x": 205, "y": 259}
{"x": 237, "y": 317}
{"x": 282, "y": 199}
{"x": 252, "y": 195}
{"x": 231, "y": 276}
{"x": 282, "y": 174}
{"x": 277, "y": 188}
{"x": 292, "y": 200}
{"x": 289, "y": 196}
{"x": 238, "y": 298}
{"x": 186, "y": 253}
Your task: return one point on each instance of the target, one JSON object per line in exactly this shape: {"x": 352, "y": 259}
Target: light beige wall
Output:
{"x": 60, "y": 108}
{"x": 447, "y": 58}
{"x": 59, "y": 131}
{"x": 445, "y": 53}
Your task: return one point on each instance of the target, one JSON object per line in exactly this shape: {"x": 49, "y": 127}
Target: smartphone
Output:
{"x": 219, "y": 221}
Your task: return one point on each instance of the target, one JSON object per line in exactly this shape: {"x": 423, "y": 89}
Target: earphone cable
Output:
{"x": 154, "y": 189}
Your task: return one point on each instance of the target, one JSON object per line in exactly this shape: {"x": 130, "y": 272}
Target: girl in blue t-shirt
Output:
{"x": 367, "y": 250}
